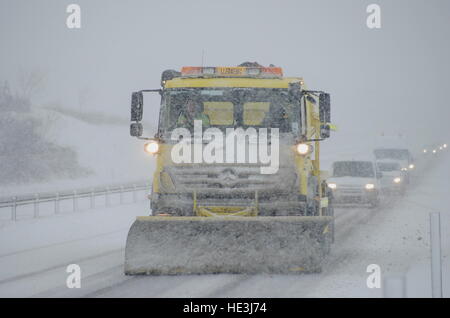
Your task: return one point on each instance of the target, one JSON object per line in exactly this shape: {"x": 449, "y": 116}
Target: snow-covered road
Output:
{"x": 34, "y": 253}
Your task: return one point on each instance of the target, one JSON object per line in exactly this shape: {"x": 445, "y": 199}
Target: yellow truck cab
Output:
{"x": 233, "y": 97}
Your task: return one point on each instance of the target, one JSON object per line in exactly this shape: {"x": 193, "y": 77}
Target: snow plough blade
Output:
{"x": 169, "y": 245}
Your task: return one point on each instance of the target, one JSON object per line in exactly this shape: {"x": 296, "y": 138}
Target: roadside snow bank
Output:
{"x": 105, "y": 154}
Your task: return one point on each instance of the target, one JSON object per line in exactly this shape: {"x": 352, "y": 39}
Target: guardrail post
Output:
{"x": 134, "y": 193}
{"x": 92, "y": 199}
{"x": 436, "y": 259}
{"x": 107, "y": 197}
{"x": 75, "y": 202}
{"x": 36, "y": 205}
{"x": 57, "y": 203}
{"x": 14, "y": 209}
{"x": 121, "y": 194}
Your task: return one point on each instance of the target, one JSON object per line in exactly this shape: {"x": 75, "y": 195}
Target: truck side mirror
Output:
{"x": 324, "y": 115}
{"x": 136, "y": 129}
{"x": 137, "y": 101}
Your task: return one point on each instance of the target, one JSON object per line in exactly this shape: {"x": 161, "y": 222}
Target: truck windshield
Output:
{"x": 228, "y": 107}
{"x": 399, "y": 154}
{"x": 363, "y": 169}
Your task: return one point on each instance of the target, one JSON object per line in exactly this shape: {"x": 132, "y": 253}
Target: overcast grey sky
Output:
{"x": 393, "y": 80}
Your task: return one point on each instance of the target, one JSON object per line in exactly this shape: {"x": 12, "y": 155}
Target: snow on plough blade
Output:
{"x": 170, "y": 245}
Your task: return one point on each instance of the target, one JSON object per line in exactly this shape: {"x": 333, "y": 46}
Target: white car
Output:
{"x": 355, "y": 182}
{"x": 393, "y": 180}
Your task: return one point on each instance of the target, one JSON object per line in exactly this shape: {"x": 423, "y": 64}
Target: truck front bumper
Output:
{"x": 182, "y": 204}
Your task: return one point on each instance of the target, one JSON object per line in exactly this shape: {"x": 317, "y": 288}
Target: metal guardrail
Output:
{"x": 35, "y": 199}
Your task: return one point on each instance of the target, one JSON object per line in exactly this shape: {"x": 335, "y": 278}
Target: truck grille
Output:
{"x": 226, "y": 178}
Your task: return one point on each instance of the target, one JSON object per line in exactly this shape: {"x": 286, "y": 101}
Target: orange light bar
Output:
{"x": 191, "y": 70}
{"x": 272, "y": 70}
{"x": 238, "y": 71}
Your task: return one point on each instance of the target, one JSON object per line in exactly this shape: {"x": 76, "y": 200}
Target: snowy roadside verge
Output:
{"x": 107, "y": 150}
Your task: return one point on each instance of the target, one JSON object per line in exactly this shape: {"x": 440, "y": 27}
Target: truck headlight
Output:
{"x": 332, "y": 186}
{"x": 303, "y": 149}
{"x": 151, "y": 147}
{"x": 404, "y": 169}
{"x": 370, "y": 186}
{"x": 411, "y": 166}
{"x": 397, "y": 180}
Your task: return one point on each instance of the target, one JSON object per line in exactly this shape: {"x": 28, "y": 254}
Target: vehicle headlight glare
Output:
{"x": 332, "y": 186}
{"x": 397, "y": 180}
{"x": 411, "y": 166}
{"x": 151, "y": 147}
{"x": 370, "y": 186}
{"x": 303, "y": 149}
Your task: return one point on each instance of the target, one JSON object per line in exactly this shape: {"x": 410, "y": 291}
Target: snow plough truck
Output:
{"x": 237, "y": 186}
